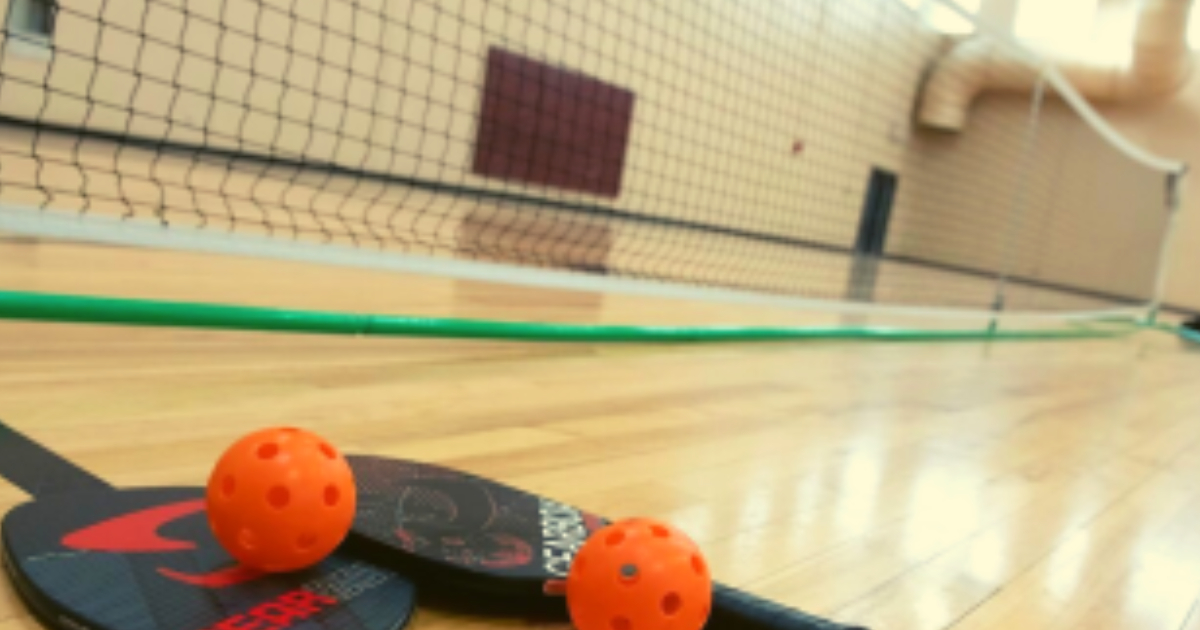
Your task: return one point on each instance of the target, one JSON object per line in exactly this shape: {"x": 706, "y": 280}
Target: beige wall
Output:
{"x": 1062, "y": 205}
{"x": 1169, "y": 127}
{"x": 723, "y": 93}
{"x": 1172, "y": 128}
{"x": 730, "y": 92}
{"x": 1081, "y": 191}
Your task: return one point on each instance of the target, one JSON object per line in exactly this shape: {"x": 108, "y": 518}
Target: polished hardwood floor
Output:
{"x": 962, "y": 486}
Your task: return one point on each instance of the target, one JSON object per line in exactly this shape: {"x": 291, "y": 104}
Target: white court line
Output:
{"x": 61, "y": 225}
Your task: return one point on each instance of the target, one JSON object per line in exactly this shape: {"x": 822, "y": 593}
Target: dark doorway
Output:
{"x": 877, "y": 211}
{"x": 872, "y": 235}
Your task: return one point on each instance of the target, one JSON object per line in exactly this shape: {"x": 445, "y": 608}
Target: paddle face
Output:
{"x": 466, "y": 528}
{"x": 146, "y": 560}
{"x": 444, "y": 524}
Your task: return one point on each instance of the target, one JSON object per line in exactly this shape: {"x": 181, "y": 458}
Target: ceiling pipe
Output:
{"x": 1160, "y": 65}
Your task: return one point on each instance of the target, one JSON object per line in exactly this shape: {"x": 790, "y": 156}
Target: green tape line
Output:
{"x": 49, "y": 307}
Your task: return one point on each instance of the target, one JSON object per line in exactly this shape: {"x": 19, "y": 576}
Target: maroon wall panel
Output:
{"x": 551, "y": 127}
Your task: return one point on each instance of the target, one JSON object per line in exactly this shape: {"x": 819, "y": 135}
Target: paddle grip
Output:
{"x": 737, "y": 609}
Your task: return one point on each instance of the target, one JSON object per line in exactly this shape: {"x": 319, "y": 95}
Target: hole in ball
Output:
{"x": 620, "y": 623}
{"x": 328, "y": 451}
{"x": 306, "y": 541}
{"x": 279, "y": 497}
{"x": 671, "y": 603}
{"x": 660, "y": 531}
{"x": 628, "y": 574}
{"x": 228, "y": 486}
{"x": 247, "y": 539}
{"x": 268, "y": 450}
{"x": 698, "y": 565}
{"x": 332, "y": 495}
{"x": 614, "y": 538}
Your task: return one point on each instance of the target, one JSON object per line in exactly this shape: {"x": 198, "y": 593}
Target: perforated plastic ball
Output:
{"x": 281, "y": 499}
{"x": 639, "y": 574}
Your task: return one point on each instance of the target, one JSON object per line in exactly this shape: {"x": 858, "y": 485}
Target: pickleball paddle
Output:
{"x": 484, "y": 536}
{"x": 86, "y": 556}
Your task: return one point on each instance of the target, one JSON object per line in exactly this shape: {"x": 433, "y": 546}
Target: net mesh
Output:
{"x": 712, "y": 143}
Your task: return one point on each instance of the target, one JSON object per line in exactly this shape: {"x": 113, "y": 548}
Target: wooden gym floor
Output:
{"x": 916, "y": 486}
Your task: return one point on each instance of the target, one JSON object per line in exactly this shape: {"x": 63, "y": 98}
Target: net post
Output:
{"x": 1174, "y": 194}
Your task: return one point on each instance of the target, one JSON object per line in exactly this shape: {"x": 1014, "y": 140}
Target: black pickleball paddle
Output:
{"x": 86, "y": 556}
{"x": 484, "y": 536}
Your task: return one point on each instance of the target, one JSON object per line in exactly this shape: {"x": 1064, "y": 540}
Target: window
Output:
{"x": 1090, "y": 28}
{"x": 31, "y": 20}
{"x": 1056, "y": 21}
{"x": 944, "y": 19}
{"x": 1194, "y": 29}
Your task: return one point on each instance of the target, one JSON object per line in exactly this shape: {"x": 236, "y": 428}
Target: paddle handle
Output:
{"x": 737, "y": 609}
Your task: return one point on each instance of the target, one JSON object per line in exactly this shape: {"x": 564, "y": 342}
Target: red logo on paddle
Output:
{"x": 281, "y": 612}
{"x": 138, "y": 533}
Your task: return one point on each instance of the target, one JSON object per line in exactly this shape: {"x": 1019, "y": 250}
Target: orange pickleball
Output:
{"x": 639, "y": 574}
{"x": 281, "y": 499}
